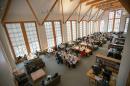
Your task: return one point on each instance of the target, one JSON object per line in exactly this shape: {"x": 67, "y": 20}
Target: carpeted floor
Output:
{"x": 70, "y": 76}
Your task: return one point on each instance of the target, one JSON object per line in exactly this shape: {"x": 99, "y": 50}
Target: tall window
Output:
{"x": 74, "y": 29}
{"x": 111, "y": 19}
{"x": 81, "y": 29}
{"x": 91, "y": 26}
{"x": 126, "y": 25}
{"x": 71, "y": 30}
{"x": 53, "y": 33}
{"x": 32, "y": 36}
{"x": 87, "y": 31}
{"x": 84, "y": 28}
{"x": 57, "y": 26}
{"x": 102, "y": 26}
{"x": 68, "y": 25}
{"x": 17, "y": 40}
{"x": 96, "y": 26}
{"x": 49, "y": 34}
{"x": 77, "y": 34}
{"x": 117, "y": 21}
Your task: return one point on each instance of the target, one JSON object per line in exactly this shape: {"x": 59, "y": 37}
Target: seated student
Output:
{"x": 77, "y": 53}
{"x": 57, "y": 54}
{"x": 43, "y": 83}
{"x": 59, "y": 58}
{"x": 82, "y": 53}
{"x": 55, "y": 75}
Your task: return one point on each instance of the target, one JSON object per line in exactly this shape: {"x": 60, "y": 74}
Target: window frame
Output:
{"x": 101, "y": 28}
{"x": 113, "y": 19}
{"x": 72, "y": 29}
{"x": 22, "y": 27}
{"x": 117, "y": 18}
{"x": 53, "y": 29}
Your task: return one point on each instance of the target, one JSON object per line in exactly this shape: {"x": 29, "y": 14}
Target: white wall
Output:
{"x": 125, "y": 62}
{"x": 122, "y": 23}
{"x": 7, "y": 47}
{"x": 6, "y": 77}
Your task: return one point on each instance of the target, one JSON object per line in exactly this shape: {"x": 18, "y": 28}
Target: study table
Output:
{"x": 87, "y": 50}
{"x": 83, "y": 43}
{"x": 69, "y": 57}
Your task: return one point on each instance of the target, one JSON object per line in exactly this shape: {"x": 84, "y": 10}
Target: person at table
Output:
{"x": 77, "y": 53}
{"x": 59, "y": 58}
{"x": 82, "y": 53}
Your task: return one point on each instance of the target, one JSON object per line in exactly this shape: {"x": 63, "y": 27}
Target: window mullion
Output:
{"x": 25, "y": 37}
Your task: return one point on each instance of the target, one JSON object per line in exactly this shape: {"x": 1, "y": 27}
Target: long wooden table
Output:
{"x": 87, "y": 50}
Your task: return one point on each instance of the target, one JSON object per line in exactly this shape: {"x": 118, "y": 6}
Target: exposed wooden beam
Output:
{"x": 31, "y": 8}
{"x": 95, "y": 1}
{"x": 107, "y": 3}
{"x": 79, "y": 12}
{"x": 73, "y": 11}
{"x": 100, "y": 15}
{"x": 103, "y": 2}
{"x": 85, "y": 13}
{"x": 49, "y": 11}
{"x": 62, "y": 11}
{"x": 112, "y": 7}
{"x": 89, "y": 14}
{"x": 103, "y": 12}
{"x": 6, "y": 10}
{"x": 82, "y": 1}
{"x": 93, "y": 15}
{"x": 126, "y": 4}
{"x": 97, "y": 14}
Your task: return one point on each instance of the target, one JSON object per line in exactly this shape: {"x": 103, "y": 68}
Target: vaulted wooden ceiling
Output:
{"x": 73, "y": 8}
{"x": 106, "y": 4}
{"x": 103, "y": 4}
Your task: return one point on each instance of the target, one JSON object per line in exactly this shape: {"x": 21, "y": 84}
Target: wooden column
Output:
{"x": 71, "y": 30}
{"x": 54, "y": 33}
{"x": 114, "y": 21}
{"x": 38, "y": 35}
{"x": 25, "y": 37}
{"x": 62, "y": 11}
